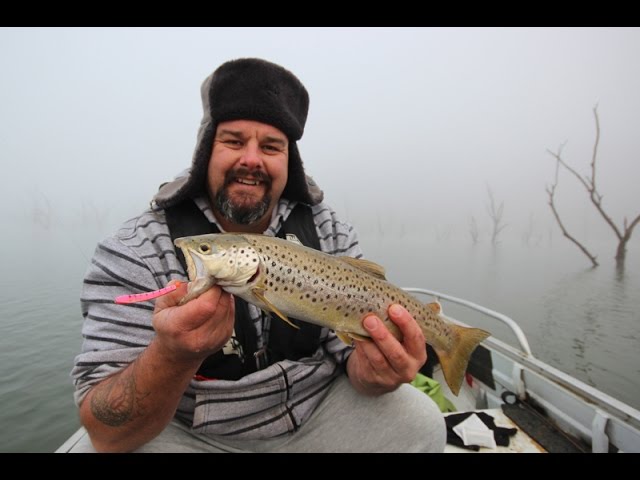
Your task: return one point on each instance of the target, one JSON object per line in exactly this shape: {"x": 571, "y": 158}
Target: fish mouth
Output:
{"x": 195, "y": 265}
{"x": 198, "y": 269}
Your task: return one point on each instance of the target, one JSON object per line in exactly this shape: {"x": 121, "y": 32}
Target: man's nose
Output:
{"x": 251, "y": 156}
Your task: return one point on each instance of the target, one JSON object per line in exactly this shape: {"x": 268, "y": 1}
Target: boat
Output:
{"x": 548, "y": 410}
{"x": 551, "y": 410}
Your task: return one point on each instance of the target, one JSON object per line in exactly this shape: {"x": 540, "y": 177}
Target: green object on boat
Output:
{"x": 432, "y": 388}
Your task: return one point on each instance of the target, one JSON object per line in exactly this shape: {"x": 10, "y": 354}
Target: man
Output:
{"x": 216, "y": 374}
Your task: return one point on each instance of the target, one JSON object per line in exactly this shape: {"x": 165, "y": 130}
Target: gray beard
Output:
{"x": 240, "y": 215}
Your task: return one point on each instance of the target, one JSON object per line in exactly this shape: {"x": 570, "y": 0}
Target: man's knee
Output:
{"x": 420, "y": 422}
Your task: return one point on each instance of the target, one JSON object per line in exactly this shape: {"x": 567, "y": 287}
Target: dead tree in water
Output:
{"x": 551, "y": 190}
{"x": 528, "y": 234}
{"x": 589, "y": 182}
{"x": 496, "y": 216}
{"x": 473, "y": 229}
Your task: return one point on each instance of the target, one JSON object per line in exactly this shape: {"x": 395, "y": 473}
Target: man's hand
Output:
{"x": 129, "y": 408}
{"x": 382, "y": 365}
{"x": 196, "y": 329}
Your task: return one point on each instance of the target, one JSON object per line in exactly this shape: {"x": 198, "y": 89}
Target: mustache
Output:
{"x": 244, "y": 172}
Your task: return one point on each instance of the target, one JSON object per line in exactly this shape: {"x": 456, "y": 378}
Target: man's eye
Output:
{"x": 234, "y": 143}
{"x": 271, "y": 148}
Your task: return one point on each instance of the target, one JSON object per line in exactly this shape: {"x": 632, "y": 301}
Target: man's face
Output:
{"x": 247, "y": 171}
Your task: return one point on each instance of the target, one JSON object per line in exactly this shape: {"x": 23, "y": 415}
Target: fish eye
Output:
{"x": 204, "y": 248}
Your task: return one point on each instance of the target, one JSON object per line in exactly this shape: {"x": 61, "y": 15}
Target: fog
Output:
{"x": 407, "y": 127}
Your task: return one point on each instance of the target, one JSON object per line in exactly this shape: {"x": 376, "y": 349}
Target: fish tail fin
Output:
{"x": 455, "y": 360}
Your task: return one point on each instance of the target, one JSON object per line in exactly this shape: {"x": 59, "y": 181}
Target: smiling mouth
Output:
{"x": 250, "y": 182}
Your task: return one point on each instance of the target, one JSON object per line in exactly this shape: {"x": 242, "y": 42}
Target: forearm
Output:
{"x": 132, "y": 407}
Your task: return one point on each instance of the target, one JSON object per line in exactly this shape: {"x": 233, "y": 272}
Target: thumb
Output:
{"x": 171, "y": 299}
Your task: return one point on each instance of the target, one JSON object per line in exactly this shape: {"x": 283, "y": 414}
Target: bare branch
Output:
{"x": 496, "y": 216}
{"x": 596, "y": 198}
{"x": 551, "y": 191}
{"x": 589, "y": 183}
{"x": 595, "y": 151}
{"x": 629, "y": 229}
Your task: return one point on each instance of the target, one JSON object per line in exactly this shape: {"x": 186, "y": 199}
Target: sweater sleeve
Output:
{"x": 113, "y": 335}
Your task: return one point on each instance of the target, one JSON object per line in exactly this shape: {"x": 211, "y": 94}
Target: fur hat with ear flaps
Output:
{"x": 248, "y": 89}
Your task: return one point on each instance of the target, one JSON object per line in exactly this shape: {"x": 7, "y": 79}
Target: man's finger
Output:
{"x": 412, "y": 337}
{"x": 393, "y": 351}
{"x": 172, "y": 298}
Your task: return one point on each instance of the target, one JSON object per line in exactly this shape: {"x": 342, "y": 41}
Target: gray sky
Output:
{"x": 406, "y": 126}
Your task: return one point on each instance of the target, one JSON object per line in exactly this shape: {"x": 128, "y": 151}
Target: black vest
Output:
{"x": 285, "y": 342}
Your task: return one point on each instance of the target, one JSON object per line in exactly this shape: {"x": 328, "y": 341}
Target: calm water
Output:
{"x": 583, "y": 321}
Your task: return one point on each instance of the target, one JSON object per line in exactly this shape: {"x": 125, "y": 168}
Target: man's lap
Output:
{"x": 405, "y": 420}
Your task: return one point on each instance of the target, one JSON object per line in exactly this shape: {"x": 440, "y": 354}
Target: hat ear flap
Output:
{"x": 300, "y": 187}
{"x": 195, "y": 182}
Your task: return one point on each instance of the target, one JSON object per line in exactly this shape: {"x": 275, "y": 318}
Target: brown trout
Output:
{"x": 290, "y": 280}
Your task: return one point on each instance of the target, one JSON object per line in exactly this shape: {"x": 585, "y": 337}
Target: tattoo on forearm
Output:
{"x": 114, "y": 401}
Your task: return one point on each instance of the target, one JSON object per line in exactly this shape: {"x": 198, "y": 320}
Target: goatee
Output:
{"x": 242, "y": 213}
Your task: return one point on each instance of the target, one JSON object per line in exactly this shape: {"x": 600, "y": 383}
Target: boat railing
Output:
{"x": 515, "y": 328}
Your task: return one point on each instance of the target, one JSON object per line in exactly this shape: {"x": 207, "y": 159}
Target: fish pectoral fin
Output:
{"x": 435, "y": 307}
{"x": 259, "y": 294}
{"x": 368, "y": 266}
{"x": 349, "y": 337}
{"x": 346, "y": 339}
{"x": 359, "y": 337}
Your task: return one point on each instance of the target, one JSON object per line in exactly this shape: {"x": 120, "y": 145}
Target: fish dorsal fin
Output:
{"x": 435, "y": 307}
{"x": 368, "y": 266}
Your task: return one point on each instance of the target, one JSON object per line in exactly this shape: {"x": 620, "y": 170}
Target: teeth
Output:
{"x": 248, "y": 182}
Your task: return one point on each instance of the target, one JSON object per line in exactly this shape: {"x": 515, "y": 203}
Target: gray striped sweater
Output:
{"x": 141, "y": 257}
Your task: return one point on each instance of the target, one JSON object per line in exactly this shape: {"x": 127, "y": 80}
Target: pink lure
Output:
{"x": 143, "y": 297}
